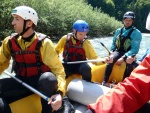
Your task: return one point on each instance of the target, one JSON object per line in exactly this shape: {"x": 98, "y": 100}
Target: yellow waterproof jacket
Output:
{"x": 48, "y": 54}
{"x": 87, "y": 46}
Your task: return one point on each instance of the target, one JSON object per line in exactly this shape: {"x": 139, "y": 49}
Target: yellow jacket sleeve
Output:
{"x": 4, "y": 55}
{"x": 50, "y": 58}
{"x": 90, "y": 52}
{"x": 60, "y": 45}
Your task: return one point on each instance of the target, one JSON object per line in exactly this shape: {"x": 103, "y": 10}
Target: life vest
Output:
{"x": 123, "y": 43}
{"x": 28, "y": 62}
{"x": 73, "y": 52}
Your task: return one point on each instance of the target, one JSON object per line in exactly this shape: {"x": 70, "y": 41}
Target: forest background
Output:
{"x": 56, "y": 17}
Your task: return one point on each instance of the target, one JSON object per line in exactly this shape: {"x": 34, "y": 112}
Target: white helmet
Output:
{"x": 27, "y": 13}
{"x": 148, "y": 22}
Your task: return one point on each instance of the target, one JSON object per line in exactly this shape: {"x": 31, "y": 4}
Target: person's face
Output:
{"x": 18, "y": 23}
{"x": 80, "y": 35}
{"x": 128, "y": 22}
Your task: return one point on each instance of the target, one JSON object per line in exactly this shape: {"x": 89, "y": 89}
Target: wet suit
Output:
{"x": 126, "y": 42}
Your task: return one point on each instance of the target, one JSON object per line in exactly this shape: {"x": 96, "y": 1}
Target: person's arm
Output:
{"x": 50, "y": 58}
{"x": 136, "y": 38}
{"x": 60, "y": 45}
{"x": 129, "y": 95}
{"x": 137, "y": 62}
{"x": 4, "y": 55}
{"x": 91, "y": 54}
{"x": 147, "y": 52}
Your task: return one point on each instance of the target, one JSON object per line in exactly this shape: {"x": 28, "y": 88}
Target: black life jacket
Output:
{"x": 123, "y": 43}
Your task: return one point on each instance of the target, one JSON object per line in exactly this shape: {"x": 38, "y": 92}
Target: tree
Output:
{"x": 141, "y": 9}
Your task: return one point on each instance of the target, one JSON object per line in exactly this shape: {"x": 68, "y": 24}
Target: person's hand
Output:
{"x": 109, "y": 59}
{"x": 111, "y": 52}
{"x": 119, "y": 61}
{"x": 55, "y": 101}
{"x": 88, "y": 111}
{"x": 130, "y": 59}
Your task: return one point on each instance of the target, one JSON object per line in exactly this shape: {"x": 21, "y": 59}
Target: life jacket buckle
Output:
{"x": 20, "y": 52}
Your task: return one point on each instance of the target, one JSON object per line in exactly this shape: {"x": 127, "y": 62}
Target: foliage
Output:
{"x": 117, "y": 8}
{"x": 141, "y": 9}
{"x": 57, "y": 16}
{"x": 107, "y": 6}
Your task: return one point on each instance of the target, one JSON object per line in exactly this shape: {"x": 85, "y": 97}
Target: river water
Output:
{"x": 102, "y": 52}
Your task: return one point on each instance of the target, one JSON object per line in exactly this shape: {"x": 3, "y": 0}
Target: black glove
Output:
{"x": 66, "y": 107}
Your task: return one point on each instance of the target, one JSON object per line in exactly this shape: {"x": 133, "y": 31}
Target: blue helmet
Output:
{"x": 81, "y": 26}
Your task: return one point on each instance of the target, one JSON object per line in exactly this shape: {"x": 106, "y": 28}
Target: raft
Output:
{"x": 98, "y": 74}
{"x": 31, "y": 104}
{"x": 76, "y": 91}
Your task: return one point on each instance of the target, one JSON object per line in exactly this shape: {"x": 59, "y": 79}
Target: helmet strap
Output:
{"x": 24, "y": 28}
{"x": 75, "y": 35}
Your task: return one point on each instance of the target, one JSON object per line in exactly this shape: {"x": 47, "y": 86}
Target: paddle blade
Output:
{"x": 102, "y": 44}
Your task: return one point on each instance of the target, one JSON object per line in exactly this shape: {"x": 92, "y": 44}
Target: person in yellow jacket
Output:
{"x": 76, "y": 47}
{"x": 35, "y": 63}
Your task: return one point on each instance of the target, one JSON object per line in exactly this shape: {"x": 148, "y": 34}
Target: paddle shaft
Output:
{"x": 27, "y": 86}
{"x": 85, "y": 61}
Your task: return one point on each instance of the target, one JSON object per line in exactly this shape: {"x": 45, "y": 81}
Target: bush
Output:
{"x": 57, "y": 16}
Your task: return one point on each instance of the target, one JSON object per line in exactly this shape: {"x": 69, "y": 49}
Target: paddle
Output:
{"x": 28, "y": 86}
{"x": 85, "y": 61}
{"x": 105, "y": 48}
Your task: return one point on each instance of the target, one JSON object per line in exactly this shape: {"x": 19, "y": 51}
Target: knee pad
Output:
{"x": 48, "y": 83}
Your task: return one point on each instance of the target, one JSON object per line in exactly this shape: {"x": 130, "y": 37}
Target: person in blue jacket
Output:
{"x": 137, "y": 62}
{"x": 130, "y": 96}
{"x": 146, "y": 53}
{"x": 126, "y": 43}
